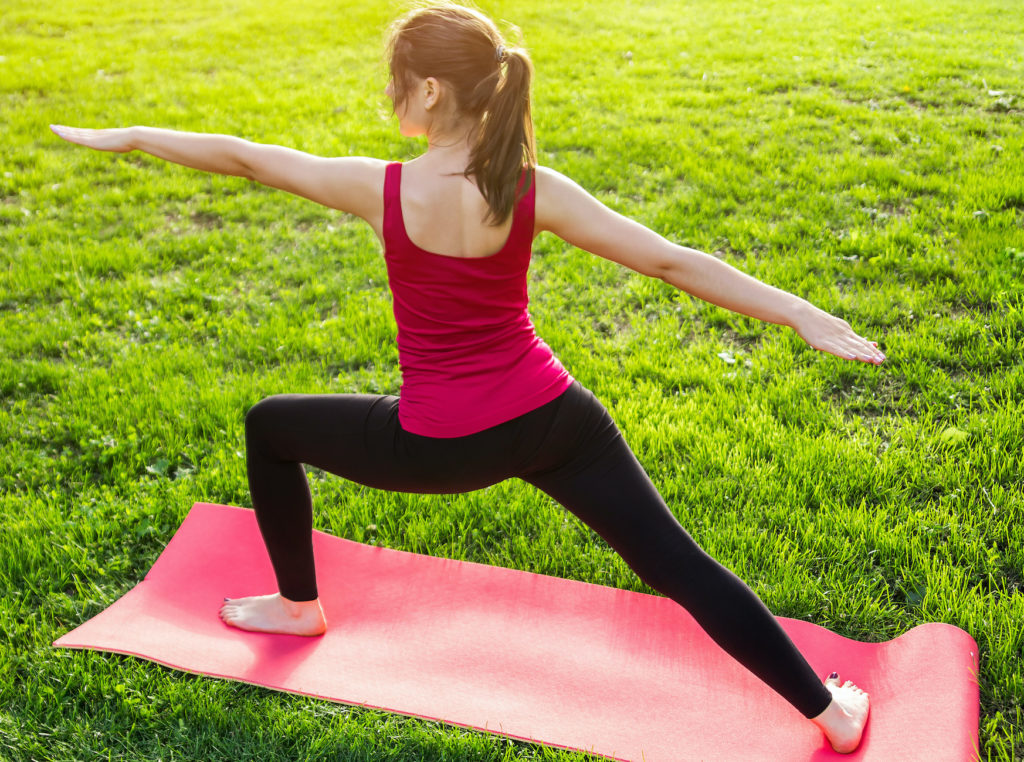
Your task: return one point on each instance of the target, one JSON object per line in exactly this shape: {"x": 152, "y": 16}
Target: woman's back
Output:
{"x": 468, "y": 351}
{"x": 445, "y": 212}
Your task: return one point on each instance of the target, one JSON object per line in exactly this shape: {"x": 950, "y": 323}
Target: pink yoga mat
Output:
{"x": 563, "y": 663}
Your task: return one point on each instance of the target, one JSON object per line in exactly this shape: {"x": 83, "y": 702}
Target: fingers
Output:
{"x": 77, "y": 132}
{"x": 865, "y": 351}
{"x": 101, "y": 140}
{"x": 834, "y": 335}
{"x": 869, "y": 352}
{"x": 75, "y": 135}
{"x": 59, "y": 130}
{"x": 848, "y": 345}
{"x": 854, "y": 348}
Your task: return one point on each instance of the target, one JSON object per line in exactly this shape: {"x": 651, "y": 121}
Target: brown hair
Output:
{"x": 490, "y": 81}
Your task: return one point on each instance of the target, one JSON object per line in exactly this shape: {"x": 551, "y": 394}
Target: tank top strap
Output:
{"x": 393, "y": 187}
{"x": 393, "y": 224}
{"x": 523, "y": 213}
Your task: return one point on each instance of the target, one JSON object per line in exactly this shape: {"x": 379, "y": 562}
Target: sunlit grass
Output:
{"x": 867, "y": 156}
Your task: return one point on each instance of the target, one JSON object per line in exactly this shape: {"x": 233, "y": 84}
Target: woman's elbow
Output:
{"x": 245, "y": 160}
{"x": 663, "y": 269}
{"x": 660, "y": 263}
{"x": 673, "y": 267}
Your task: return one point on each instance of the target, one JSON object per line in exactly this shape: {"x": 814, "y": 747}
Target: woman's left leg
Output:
{"x": 357, "y": 437}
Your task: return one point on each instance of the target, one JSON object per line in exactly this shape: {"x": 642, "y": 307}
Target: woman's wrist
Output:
{"x": 798, "y": 311}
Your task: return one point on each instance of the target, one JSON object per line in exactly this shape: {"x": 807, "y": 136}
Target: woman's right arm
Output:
{"x": 351, "y": 184}
{"x": 568, "y": 211}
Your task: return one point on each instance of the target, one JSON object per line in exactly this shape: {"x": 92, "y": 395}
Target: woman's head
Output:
{"x": 488, "y": 82}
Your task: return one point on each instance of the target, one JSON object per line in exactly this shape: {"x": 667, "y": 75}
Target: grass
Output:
{"x": 866, "y": 156}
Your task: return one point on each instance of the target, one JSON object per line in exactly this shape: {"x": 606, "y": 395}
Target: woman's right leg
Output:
{"x": 588, "y": 468}
{"x": 615, "y": 498}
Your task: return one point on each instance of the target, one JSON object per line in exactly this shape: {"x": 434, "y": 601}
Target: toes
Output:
{"x": 832, "y": 679}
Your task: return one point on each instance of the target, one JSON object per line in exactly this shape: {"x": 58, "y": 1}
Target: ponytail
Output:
{"x": 490, "y": 82}
{"x": 505, "y": 143}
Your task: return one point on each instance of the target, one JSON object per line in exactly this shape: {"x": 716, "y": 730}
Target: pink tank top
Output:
{"x": 468, "y": 351}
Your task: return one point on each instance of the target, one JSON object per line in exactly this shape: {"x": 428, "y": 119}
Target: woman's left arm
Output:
{"x": 568, "y": 211}
{"x": 351, "y": 184}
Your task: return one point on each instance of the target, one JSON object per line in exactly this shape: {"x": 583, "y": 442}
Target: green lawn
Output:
{"x": 863, "y": 155}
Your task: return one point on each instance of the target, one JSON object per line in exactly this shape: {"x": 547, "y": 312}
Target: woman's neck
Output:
{"x": 449, "y": 148}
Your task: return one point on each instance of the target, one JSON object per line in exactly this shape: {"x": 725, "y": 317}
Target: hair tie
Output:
{"x": 500, "y": 54}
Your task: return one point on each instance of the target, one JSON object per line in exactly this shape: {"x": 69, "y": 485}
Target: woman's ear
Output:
{"x": 431, "y": 92}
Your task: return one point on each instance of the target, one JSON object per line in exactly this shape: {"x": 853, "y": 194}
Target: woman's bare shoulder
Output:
{"x": 353, "y": 184}
{"x": 548, "y": 178}
{"x": 558, "y": 198}
{"x": 365, "y": 172}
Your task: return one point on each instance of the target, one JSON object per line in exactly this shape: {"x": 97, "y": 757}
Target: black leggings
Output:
{"x": 570, "y": 448}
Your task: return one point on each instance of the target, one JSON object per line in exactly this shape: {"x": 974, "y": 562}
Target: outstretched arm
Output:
{"x": 349, "y": 184}
{"x": 575, "y": 216}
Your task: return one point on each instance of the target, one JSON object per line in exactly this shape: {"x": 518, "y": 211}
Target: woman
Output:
{"x": 483, "y": 398}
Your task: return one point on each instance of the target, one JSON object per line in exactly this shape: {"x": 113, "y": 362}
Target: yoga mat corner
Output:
{"x": 568, "y": 664}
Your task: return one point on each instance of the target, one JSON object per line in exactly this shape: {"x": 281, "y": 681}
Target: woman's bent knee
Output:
{"x": 260, "y": 418}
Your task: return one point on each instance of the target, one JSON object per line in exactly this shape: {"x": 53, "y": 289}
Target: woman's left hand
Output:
{"x": 117, "y": 139}
{"x": 834, "y": 335}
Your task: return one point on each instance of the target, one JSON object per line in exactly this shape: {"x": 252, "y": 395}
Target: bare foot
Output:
{"x": 844, "y": 719}
{"x": 274, "y": 613}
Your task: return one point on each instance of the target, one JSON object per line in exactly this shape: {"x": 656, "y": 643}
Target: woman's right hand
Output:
{"x": 828, "y": 333}
{"x": 117, "y": 139}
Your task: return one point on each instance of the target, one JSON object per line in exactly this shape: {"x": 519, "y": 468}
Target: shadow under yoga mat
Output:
{"x": 558, "y": 662}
